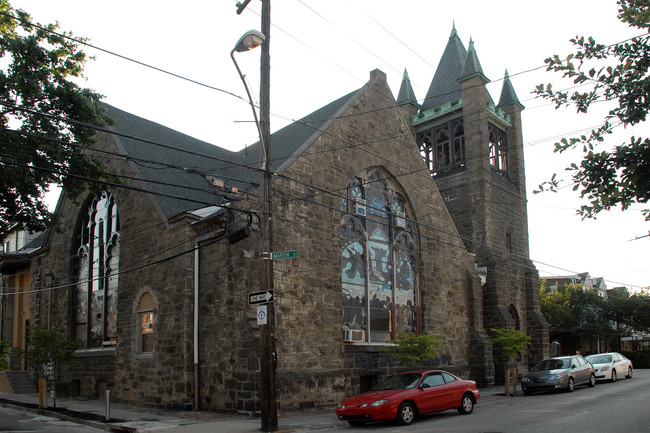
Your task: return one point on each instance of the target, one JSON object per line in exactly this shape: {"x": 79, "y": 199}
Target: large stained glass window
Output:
{"x": 378, "y": 275}
{"x": 98, "y": 258}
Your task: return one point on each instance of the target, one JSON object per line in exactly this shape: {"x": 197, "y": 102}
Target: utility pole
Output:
{"x": 269, "y": 407}
{"x": 269, "y": 402}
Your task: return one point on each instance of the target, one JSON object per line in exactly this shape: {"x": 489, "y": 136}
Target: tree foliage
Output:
{"x": 620, "y": 174}
{"x": 514, "y": 343}
{"x": 574, "y": 312}
{"x": 5, "y": 349}
{"x": 415, "y": 349}
{"x": 44, "y": 119}
{"x": 48, "y": 346}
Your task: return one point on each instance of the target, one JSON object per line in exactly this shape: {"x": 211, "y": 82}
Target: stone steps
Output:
{"x": 20, "y": 382}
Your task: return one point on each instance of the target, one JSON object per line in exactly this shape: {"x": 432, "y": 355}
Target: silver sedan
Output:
{"x": 610, "y": 366}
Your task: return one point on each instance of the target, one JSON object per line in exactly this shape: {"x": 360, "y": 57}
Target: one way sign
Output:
{"x": 263, "y": 297}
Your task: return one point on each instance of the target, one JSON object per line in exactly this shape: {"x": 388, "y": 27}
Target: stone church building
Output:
{"x": 406, "y": 217}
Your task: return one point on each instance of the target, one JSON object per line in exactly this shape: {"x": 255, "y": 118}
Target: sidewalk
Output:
{"x": 125, "y": 418}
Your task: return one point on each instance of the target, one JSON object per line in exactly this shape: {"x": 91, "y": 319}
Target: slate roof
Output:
{"x": 406, "y": 95}
{"x": 445, "y": 86}
{"x": 173, "y": 165}
{"x": 472, "y": 65}
{"x": 508, "y": 95}
{"x": 456, "y": 64}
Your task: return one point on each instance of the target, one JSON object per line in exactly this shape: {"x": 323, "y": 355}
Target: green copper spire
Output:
{"x": 508, "y": 95}
{"x": 406, "y": 94}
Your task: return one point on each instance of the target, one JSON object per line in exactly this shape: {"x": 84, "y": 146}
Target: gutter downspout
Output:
{"x": 196, "y": 325}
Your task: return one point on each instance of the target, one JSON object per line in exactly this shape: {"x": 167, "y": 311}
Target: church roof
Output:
{"x": 445, "y": 86}
{"x": 472, "y": 66}
{"x": 456, "y": 65}
{"x": 508, "y": 95}
{"x": 173, "y": 166}
{"x": 406, "y": 95}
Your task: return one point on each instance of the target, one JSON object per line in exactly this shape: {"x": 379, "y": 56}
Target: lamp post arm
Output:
{"x": 250, "y": 101}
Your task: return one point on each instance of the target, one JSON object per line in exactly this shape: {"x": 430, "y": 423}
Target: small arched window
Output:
{"x": 498, "y": 142}
{"x": 145, "y": 311}
{"x": 378, "y": 273}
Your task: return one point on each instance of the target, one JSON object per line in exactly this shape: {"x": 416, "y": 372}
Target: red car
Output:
{"x": 404, "y": 396}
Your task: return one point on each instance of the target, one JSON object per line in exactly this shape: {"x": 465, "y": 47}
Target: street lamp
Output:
{"x": 250, "y": 40}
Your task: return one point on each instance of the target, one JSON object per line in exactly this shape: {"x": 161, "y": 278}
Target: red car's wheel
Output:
{"x": 406, "y": 413}
{"x": 466, "y": 405}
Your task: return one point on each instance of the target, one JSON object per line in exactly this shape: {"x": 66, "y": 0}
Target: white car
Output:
{"x": 610, "y": 366}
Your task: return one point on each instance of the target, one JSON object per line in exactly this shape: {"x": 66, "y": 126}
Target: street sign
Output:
{"x": 262, "y": 315}
{"x": 284, "y": 255}
{"x": 263, "y": 297}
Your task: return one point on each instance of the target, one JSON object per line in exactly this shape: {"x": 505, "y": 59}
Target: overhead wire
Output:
{"x": 166, "y": 71}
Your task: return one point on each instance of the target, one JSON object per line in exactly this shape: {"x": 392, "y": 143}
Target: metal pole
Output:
{"x": 108, "y": 404}
{"x": 269, "y": 407}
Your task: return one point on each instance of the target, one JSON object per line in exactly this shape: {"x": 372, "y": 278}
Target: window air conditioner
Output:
{"x": 360, "y": 207}
{"x": 353, "y": 335}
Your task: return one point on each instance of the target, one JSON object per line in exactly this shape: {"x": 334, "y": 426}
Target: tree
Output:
{"x": 514, "y": 343}
{"x": 414, "y": 349}
{"x": 573, "y": 312}
{"x": 631, "y": 312}
{"x": 44, "y": 119}
{"x": 5, "y": 348}
{"x": 620, "y": 175}
{"x": 49, "y": 348}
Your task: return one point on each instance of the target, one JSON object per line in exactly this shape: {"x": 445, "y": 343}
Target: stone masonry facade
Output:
{"x": 206, "y": 341}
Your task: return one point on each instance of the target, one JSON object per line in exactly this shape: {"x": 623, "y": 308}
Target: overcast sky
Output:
{"x": 323, "y": 49}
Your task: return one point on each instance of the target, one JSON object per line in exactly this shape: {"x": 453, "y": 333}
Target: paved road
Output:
{"x": 608, "y": 407}
{"x": 14, "y": 421}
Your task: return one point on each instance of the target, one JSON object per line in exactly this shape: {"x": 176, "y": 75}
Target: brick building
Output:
{"x": 387, "y": 241}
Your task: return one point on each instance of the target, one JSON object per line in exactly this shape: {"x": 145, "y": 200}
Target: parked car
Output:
{"x": 610, "y": 366}
{"x": 562, "y": 372}
{"x": 404, "y": 396}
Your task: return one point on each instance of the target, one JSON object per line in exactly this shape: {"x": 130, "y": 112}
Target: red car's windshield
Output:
{"x": 400, "y": 381}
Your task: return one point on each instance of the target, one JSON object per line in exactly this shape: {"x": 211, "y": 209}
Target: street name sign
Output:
{"x": 263, "y": 297}
{"x": 284, "y": 255}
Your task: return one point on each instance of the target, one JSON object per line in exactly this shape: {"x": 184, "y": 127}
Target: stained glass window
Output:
{"x": 97, "y": 266}
{"x": 377, "y": 261}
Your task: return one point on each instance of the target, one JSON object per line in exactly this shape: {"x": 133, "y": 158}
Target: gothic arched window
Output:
{"x": 97, "y": 268}
{"x": 443, "y": 146}
{"x": 498, "y": 149}
{"x": 378, "y": 274}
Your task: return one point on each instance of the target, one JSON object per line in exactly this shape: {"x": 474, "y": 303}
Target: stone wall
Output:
{"x": 314, "y": 366}
{"x": 160, "y": 380}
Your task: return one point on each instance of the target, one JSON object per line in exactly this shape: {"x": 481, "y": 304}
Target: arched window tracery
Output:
{"x": 378, "y": 273}
{"x": 97, "y": 269}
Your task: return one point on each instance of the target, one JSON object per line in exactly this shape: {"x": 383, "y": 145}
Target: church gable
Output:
{"x": 369, "y": 143}
{"x": 380, "y": 247}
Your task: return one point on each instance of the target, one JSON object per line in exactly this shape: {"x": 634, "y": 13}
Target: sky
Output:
{"x": 324, "y": 49}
